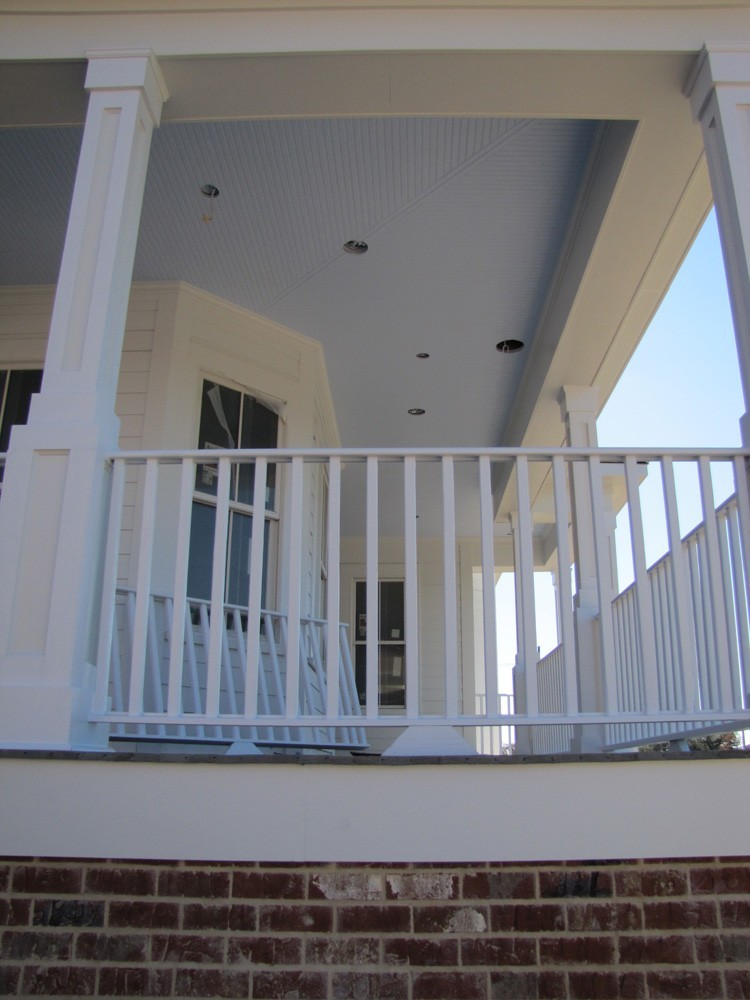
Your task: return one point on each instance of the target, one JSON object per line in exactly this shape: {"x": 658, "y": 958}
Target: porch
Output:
{"x": 663, "y": 658}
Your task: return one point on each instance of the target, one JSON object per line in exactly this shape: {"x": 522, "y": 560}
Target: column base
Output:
{"x": 49, "y": 718}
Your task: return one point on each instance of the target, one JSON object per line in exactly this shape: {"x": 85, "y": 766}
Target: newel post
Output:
{"x": 56, "y": 484}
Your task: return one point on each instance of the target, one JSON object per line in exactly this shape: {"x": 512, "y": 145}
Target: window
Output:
{"x": 391, "y": 642}
{"x": 17, "y": 385}
{"x": 231, "y": 419}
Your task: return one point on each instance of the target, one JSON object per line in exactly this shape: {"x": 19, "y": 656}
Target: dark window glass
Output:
{"x": 16, "y": 389}
{"x": 391, "y": 643}
{"x": 200, "y": 563}
{"x": 230, "y": 419}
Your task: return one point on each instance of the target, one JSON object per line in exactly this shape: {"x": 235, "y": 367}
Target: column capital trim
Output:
{"x": 579, "y": 399}
{"x": 128, "y": 69}
{"x": 719, "y": 64}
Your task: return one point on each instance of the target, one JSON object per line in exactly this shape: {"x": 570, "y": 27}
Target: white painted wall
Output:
{"x": 175, "y": 337}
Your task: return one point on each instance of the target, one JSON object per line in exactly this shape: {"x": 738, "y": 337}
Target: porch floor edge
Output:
{"x": 371, "y": 760}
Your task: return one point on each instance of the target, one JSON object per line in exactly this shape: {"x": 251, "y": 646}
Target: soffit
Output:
{"x": 467, "y": 199}
{"x": 465, "y": 219}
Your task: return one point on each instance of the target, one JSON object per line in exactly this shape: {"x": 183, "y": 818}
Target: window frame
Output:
{"x": 359, "y": 642}
{"x": 240, "y": 508}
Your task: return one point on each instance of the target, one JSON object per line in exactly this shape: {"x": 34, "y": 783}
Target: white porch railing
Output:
{"x": 436, "y": 505}
{"x": 709, "y": 578}
{"x": 145, "y": 689}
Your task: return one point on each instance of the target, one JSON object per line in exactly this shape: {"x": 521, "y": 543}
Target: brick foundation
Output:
{"x": 640, "y": 929}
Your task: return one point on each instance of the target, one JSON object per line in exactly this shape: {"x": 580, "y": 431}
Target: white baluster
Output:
{"x": 176, "y": 653}
{"x": 487, "y": 521}
{"x": 218, "y": 576}
{"x": 143, "y": 586}
{"x": 450, "y": 590}
{"x": 411, "y": 599}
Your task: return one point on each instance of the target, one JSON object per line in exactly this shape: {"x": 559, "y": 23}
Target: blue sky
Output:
{"x": 681, "y": 388}
{"x": 682, "y": 385}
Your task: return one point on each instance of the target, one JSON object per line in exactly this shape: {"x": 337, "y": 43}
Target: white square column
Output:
{"x": 55, "y": 487}
{"x": 719, "y": 93}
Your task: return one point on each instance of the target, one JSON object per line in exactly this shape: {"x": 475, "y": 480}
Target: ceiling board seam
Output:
{"x": 406, "y": 209}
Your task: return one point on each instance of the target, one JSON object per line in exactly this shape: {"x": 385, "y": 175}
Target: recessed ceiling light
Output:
{"x": 356, "y": 246}
{"x": 509, "y": 346}
{"x": 415, "y": 411}
{"x": 211, "y": 192}
{"x": 423, "y": 354}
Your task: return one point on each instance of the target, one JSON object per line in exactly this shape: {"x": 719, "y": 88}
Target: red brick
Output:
{"x": 422, "y": 885}
{"x": 268, "y": 885}
{"x": 264, "y": 951}
{"x": 14, "y": 912}
{"x": 661, "y": 950}
{"x": 576, "y": 884}
{"x": 295, "y": 918}
{"x": 199, "y": 884}
{"x": 527, "y": 917}
{"x": 346, "y": 885}
{"x": 68, "y": 913}
{"x": 195, "y": 948}
{"x": 498, "y": 951}
{"x": 736, "y": 984}
{"x": 352, "y": 951}
{"x": 4, "y": 878}
{"x": 377, "y": 985}
{"x": 421, "y": 951}
{"x": 456, "y": 985}
{"x": 676, "y": 985}
{"x": 243, "y": 917}
{"x": 144, "y": 914}
{"x": 592, "y": 985}
{"x": 211, "y": 983}
{"x": 678, "y": 914}
{"x": 305, "y": 985}
{"x": 733, "y": 879}
{"x": 134, "y": 982}
{"x": 612, "y": 916}
{"x": 606, "y": 986}
{"x": 723, "y": 948}
{"x": 36, "y": 944}
{"x": 58, "y": 980}
{"x": 219, "y": 916}
{"x": 113, "y": 881}
{"x": 367, "y": 919}
{"x": 450, "y": 919}
{"x": 10, "y": 976}
{"x": 651, "y": 882}
{"x": 48, "y": 880}
{"x": 578, "y": 950}
{"x": 499, "y": 885}
{"x": 735, "y": 912}
{"x": 631, "y": 986}
{"x": 527, "y": 986}
{"x": 112, "y": 947}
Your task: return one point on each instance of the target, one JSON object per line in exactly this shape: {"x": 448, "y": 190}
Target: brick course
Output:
{"x": 641, "y": 929}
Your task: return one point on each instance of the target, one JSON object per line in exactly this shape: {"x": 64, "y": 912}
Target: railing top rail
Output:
{"x": 606, "y": 455}
{"x": 228, "y": 607}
